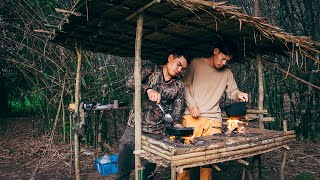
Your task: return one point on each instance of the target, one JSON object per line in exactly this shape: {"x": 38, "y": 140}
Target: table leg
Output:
{"x": 173, "y": 173}
{"x": 283, "y": 163}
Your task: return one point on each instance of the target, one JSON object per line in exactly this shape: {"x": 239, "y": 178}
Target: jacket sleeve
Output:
{"x": 232, "y": 88}
{"x": 188, "y": 81}
{"x": 146, "y": 71}
{"x": 179, "y": 105}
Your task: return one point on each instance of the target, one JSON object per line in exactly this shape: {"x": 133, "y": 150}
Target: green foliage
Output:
{"x": 304, "y": 176}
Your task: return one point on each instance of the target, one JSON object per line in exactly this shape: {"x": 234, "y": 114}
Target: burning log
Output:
{"x": 234, "y": 123}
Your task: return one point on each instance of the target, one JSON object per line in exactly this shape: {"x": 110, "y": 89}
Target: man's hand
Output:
{"x": 178, "y": 125}
{"x": 243, "y": 97}
{"x": 154, "y": 96}
{"x": 195, "y": 112}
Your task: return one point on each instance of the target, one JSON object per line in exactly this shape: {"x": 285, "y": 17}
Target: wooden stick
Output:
{"x": 156, "y": 143}
{"x": 148, "y": 149}
{"x": 285, "y": 125}
{"x": 156, "y": 148}
{"x": 67, "y": 12}
{"x": 283, "y": 163}
{"x": 241, "y": 161}
{"x": 255, "y": 111}
{"x": 141, "y": 9}
{"x": 287, "y": 73}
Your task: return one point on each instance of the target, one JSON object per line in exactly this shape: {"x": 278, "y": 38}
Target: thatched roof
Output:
{"x": 110, "y": 27}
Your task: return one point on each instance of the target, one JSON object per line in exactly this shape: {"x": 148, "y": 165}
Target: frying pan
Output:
{"x": 236, "y": 109}
{"x": 179, "y": 131}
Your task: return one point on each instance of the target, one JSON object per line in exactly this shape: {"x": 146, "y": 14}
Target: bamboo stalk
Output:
{"x": 137, "y": 94}
{"x": 64, "y": 122}
{"x": 256, "y": 111}
{"x": 148, "y": 149}
{"x": 70, "y": 140}
{"x": 231, "y": 148}
{"x": 141, "y": 9}
{"x": 77, "y": 99}
{"x": 146, "y": 144}
{"x": 232, "y": 154}
{"x": 283, "y": 163}
{"x": 156, "y": 143}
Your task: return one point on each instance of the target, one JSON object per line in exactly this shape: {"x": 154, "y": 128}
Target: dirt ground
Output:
{"x": 26, "y": 156}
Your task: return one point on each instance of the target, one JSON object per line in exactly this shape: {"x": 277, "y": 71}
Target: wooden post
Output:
{"x": 173, "y": 173}
{"x": 285, "y": 125}
{"x": 261, "y": 90}
{"x": 260, "y": 74}
{"x": 283, "y": 163}
{"x": 77, "y": 102}
{"x": 137, "y": 95}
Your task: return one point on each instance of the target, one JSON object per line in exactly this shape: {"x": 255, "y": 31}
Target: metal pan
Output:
{"x": 236, "y": 109}
{"x": 179, "y": 131}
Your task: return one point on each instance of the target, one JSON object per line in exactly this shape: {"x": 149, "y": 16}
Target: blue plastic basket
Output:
{"x": 108, "y": 168}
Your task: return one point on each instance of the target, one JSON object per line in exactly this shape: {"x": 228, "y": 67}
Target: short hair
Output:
{"x": 226, "y": 46}
{"x": 178, "y": 52}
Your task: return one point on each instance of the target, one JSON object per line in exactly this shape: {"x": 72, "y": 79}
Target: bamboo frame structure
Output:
{"x": 137, "y": 94}
{"x": 181, "y": 156}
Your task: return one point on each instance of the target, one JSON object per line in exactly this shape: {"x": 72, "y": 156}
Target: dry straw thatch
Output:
{"x": 109, "y": 27}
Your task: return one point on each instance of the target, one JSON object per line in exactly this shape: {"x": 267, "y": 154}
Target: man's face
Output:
{"x": 176, "y": 65}
{"x": 220, "y": 59}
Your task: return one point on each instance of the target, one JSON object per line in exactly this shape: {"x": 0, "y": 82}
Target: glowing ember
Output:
{"x": 172, "y": 138}
{"x": 188, "y": 139}
{"x": 234, "y": 123}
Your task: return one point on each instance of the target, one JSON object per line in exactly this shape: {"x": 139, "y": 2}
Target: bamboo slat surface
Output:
{"x": 218, "y": 148}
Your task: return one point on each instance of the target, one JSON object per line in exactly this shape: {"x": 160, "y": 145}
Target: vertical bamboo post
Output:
{"x": 70, "y": 139}
{"x": 260, "y": 74}
{"x": 137, "y": 95}
{"x": 64, "y": 122}
{"x": 77, "y": 102}
{"x": 283, "y": 163}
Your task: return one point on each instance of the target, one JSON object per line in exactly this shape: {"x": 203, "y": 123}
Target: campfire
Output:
{"x": 235, "y": 125}
{"x": 182, "y": 139}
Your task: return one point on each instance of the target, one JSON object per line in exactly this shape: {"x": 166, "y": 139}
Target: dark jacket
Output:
{"x": 172, "y": 99}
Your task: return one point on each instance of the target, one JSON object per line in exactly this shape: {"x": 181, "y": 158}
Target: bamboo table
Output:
{"x": 216, "y": 149}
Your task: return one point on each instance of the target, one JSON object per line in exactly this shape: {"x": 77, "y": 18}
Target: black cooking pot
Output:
{"x": 236, "y": 109}
{"x": 179, "y": 131}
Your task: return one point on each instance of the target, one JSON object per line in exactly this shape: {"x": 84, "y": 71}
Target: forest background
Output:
{"x": 37, "y": 77}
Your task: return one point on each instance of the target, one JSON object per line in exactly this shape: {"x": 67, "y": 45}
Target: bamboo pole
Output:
{"x": 141, "y": 9}
{"x": 260, "y": 73}
{"x": 153, "y": 151}
{"x": 137, "y": 95}
{"x": 239, "y": 153}
{"x": 64, "y": 122}
{"x": 160, "y": 150}
{"x": 77, "y": 102}
{"x": 156, "y": 143}
{"x": 261, "y": 90}
{"x": 255, "y": 111}
{"x": 283, "y": 163}
{"x": 70, "y": 140}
